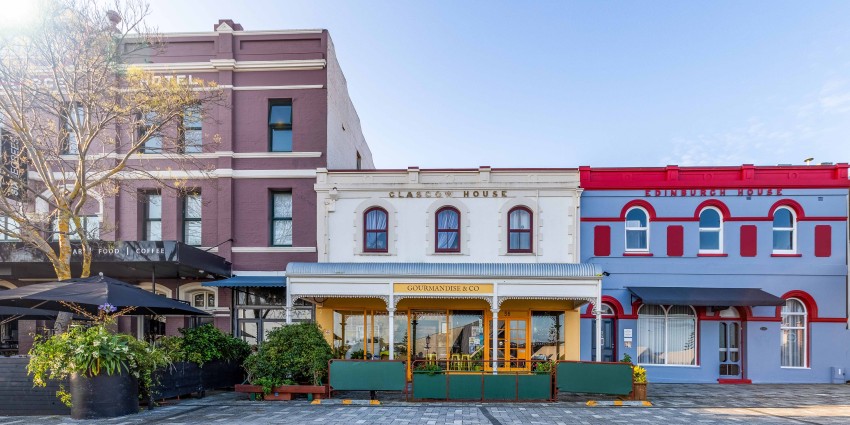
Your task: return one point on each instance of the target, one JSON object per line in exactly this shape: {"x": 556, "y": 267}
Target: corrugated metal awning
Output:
{"x": 249, "y": 281}
{"x": 705, "y": 296}
{"x": 518, "y": 270}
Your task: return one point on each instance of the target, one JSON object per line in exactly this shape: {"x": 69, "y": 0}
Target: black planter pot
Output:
{"x": 103, "y": 396}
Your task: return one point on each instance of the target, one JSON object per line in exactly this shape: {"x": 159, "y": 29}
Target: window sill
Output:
{"x": 378, "y": 254}
{"x": 795, "y": 368}
{"x": 643, "y": 365}
{"x": 637, "y": 254}
{"x": 712, "y": 254}
{"x": 447, "y": 253}
{"x": 519, "y": 253}
{"x": 786, "y": 255}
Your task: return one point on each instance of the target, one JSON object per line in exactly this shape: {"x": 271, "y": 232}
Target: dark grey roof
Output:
{"x": 705, "y": 296}
{"x": 542, "y": 270}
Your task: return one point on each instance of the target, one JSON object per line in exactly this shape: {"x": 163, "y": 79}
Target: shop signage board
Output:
{"x": 443, "y": 288}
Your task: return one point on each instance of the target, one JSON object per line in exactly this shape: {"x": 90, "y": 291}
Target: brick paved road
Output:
{"x": 676, "y": 404}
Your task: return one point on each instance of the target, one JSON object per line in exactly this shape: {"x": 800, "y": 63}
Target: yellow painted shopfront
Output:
{"x": 461, "y": 323}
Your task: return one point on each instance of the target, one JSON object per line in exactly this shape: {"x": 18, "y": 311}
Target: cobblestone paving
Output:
{"x": 672, "y": 403}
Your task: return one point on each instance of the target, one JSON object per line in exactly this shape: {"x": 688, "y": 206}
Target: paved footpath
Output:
{"x": 672, "y": 404}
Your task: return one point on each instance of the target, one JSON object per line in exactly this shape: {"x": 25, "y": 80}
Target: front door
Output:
{"x": 609, "y": 351}
{"x": 513, "y": 347}
{"x": 730, "y": 350}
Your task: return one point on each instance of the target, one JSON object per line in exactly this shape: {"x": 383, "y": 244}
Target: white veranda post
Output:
{"x": 597, "y": 312}
{"x": 495, "y": 339}
{"x": 288, "y": 308}
{"x": 391, "y": 314}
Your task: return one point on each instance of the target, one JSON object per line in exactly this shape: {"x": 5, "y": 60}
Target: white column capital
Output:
{"x": 494, "y": 310}
{"x": 391, "y": 310}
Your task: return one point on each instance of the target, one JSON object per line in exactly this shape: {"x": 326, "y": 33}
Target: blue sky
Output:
{"x": 562, "y": 84}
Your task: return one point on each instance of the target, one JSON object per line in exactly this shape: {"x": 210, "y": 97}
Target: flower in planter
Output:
{"x": 638, "y": 375}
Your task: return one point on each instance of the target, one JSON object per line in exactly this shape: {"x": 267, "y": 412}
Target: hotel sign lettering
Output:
{"x": 443, "y": 288}
{"x": 450, "y": 194}
{"x": 713, "y": 192}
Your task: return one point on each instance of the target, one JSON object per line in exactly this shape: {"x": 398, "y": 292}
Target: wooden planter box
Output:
{"x": 285, "y": 392}
{"x": 639, "y": 392}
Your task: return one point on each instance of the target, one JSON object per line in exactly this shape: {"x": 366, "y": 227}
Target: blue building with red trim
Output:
{"x": 720, "y": 274}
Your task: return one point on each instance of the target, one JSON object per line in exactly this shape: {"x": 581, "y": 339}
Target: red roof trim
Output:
{"x": 745, "y": 176}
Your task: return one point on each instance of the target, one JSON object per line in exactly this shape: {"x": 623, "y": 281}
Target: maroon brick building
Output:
{"x": 251, "y": 207}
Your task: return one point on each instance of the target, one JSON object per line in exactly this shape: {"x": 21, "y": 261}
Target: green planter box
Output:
{"x": 535, "y": 387}
{"x": 427, "y": 386}
{"x": 464, "y": 387}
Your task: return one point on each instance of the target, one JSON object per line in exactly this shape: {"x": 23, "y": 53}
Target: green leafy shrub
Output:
{"x": 92, "y": 351}
{"x": 626, "y": 358}
{"x": 430, "y": 369}
{"x": 297, "y": 353}
{"x": 544, "y": 367}
{"x": 204, "y": 344}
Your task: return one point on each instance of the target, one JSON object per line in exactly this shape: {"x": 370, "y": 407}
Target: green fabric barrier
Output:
{"x": 535, "y": 387}
{"x": 597, "y": 378}
{"x": 464, "y": 387}
{"x": 367, "y": 375}
{"x": 427, "y": 386}
{"x": 500, "y": 387}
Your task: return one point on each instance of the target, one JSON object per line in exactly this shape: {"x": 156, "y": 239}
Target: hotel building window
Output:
{"x": 448, "y": 230}
{"x": 281, "y": 219}
{"x": 375, "y": 230}
{"x": 793, "y": 333}
{"x": 191, "y": 130}
{"x": 154, "y": 143}
{"x": 90, "y": 222}
{"x": 280, "y": 126}
{"x": 153, "y": 216}
{"x": 202, "y": 299}
{"x": 519, "y": 230}
{"x": 637, "y": 230}
{"x": 784, "y": 231}
{"x": 72, "y": 118}
{"x": 8, "y": 225}
{"x": 192, "y": 219}
{"x": 666, "y": 335}
{"x": 710, "y": 231}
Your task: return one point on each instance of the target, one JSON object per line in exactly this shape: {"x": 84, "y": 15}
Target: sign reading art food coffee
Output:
{"x": 444, "y": 288}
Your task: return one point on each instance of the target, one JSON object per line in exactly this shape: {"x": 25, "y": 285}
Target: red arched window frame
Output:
{"x": 438, "y": 230}
{"x": 529, "y": 231}
{"x": 377, "y": 231}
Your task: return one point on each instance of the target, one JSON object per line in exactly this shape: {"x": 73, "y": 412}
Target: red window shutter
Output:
{"x": 675, "y": 241}
{"x": 823, "y": 240}
{"x": 749, "y": 241}
{"x": 602, "y": 241}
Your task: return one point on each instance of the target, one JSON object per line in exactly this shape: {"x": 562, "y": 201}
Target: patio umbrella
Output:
{"x": 90, "y": 292}
{"x": 21, "y": 313}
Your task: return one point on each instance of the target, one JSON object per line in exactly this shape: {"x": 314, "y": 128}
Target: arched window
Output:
{"x": 201, "y": 299}
{"x": 519, "y": 230}
{"x": 448, "y": 230}
{"x": 784, "y": 231}
{"x": 637, "y": 230}
{"x": 667, "y": 335}
{"x": 375, "y": 230}
{"x": 710, "y": 230}
{"x": 793, "y": 328}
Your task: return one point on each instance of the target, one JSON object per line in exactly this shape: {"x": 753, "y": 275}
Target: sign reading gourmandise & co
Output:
{"x": 443, "y": 288}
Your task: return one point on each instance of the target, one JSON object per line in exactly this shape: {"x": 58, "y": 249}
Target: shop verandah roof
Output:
{"x": 505, "y": 270}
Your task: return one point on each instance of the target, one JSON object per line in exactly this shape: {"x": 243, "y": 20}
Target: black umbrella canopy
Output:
{"x": 21, "y": 313}
{"x": 90, "y": 292}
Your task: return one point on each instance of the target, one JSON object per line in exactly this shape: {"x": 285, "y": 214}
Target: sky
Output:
{"x": 443, "y": 83}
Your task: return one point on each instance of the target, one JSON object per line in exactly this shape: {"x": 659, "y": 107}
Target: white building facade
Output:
{"x": 472, "y": 269}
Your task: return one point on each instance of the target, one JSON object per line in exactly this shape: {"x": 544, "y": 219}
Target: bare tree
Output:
{"x": 76, "y": 116}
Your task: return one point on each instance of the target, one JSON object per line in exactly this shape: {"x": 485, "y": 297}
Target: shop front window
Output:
{"x": 261, "y": 310}
{"x": 547, "y": 335}
{"x": 466, "y": 336}
{"x": 428, "y": 333}
{"x": 350, "y": 335}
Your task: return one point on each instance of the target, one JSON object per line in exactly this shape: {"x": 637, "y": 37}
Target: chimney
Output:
{"x": 227, "y": 25}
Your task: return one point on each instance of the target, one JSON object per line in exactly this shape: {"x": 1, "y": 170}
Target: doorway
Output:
{"x": 609, "y": 332}
{"x": 512, "y": 345}
{"x": 729, "y": 346}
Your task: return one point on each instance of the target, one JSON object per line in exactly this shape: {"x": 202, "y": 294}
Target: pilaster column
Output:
{"x": 495, "y": 339}
{"x": 391, "y": 314}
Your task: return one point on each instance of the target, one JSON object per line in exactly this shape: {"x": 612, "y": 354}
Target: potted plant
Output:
{"x": 638, "y": 379}
{"x": 292, "y": 360}
{"x": 639, "y": 383}
{"x": 544, "y": 367}
{"x": 104, "y": 368}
